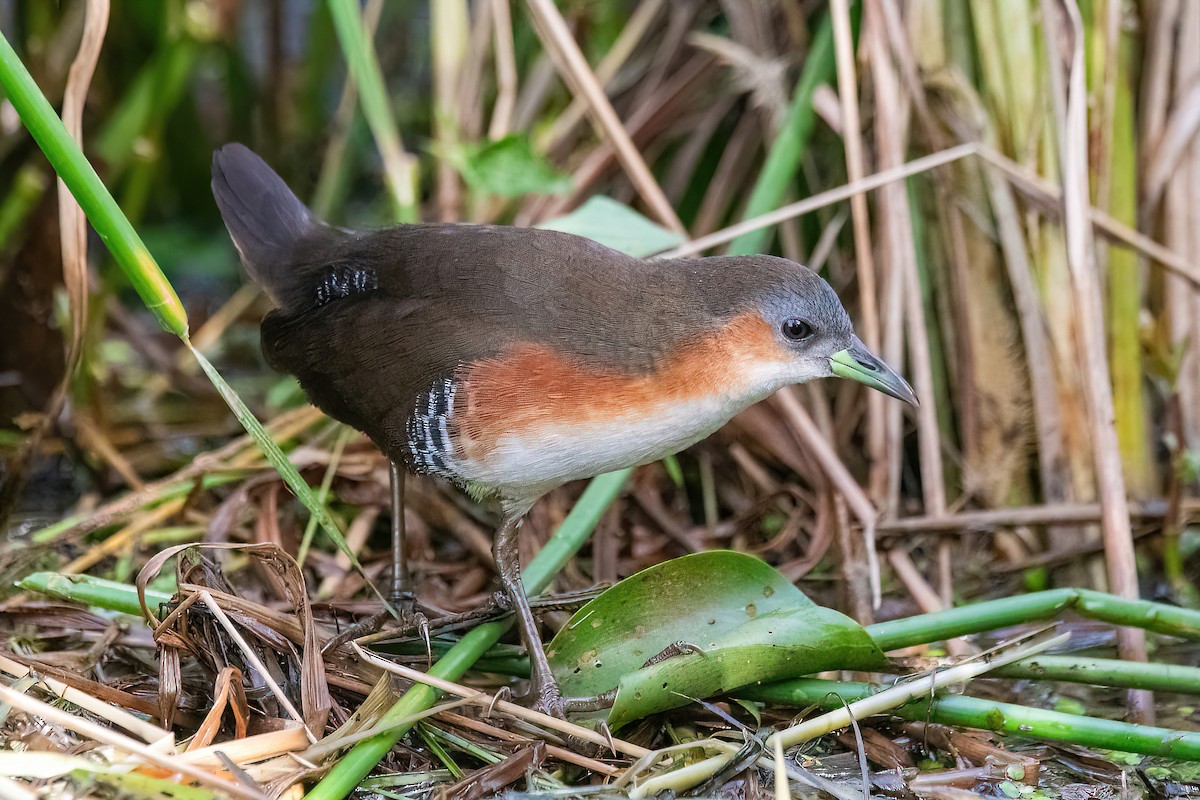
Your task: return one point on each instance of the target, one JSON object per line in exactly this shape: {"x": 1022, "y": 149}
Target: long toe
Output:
{"x": 549, "y": 700}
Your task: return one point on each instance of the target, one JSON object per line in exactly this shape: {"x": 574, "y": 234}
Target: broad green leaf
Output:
{"x": 785, "y": 644}
{"x": 750, "y": 623}
{"x": 508, "y": 167}
{"x": 618, "y": 226}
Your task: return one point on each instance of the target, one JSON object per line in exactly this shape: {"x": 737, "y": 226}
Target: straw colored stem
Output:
{"x": 556, "y": 36}
{"x": 824, "y": 199}
{"x": 449, "y": 33}
{"x": 92, "y": 730}
{"x": 506, "y": 70}
{"x": 864, "y": 253}
{"x": 1063, "y": 25}
{"x": 485, "y": 700}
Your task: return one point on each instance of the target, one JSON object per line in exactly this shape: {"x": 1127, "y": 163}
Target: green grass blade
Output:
{"x": 97, "y": 203}
{"x": 277, "y": 459}
{"x": 783, "y": 160}
{"x": 570, "y": 536}
{"x": 399, "y": 167}
{"x": 27, "y": 188}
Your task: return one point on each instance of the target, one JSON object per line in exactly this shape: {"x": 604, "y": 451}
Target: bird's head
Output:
{"x": 811, "y": 333}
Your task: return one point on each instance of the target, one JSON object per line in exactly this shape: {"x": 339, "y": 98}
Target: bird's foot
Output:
{"x": 545, "y": 697}
{"x": 502, "y": 602}
{"x": 409, "y": 619}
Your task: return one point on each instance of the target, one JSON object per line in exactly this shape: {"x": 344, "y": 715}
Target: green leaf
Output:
{"x": 508, "y": 167}
{"x": 750, "y": 623}
{"x": 615, "y": 225}
{"x": 89, "y": 191}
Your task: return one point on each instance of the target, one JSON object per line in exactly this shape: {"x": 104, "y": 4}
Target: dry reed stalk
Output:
{"x": 822, "y": 451}
{"x": 151, "y": 733}
{"x": 1049, "y": 199}
{"x": 146, "y": 753}
{"x": 1019, "y": 516}
{"x": 900, "y": 260}
{"x": 823, "y": 199}
{"x": 1182, "y": 225}
{"x": 73, "y": 243}
{"x": 485, "y": 700}
{"x": 1064, "y": 43}
{"x": 556, "y": 37}
{"x": 868, "y": 297}
{"x": 507, "y": 81}
{"x": 645, "y": 124}
{"x": 891, "y": 126}
{"x": 631, "y": 36}
{"x": 449, "y": 34}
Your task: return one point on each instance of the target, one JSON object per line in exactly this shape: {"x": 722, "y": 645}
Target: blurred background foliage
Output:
{"x": 965, "y": 269}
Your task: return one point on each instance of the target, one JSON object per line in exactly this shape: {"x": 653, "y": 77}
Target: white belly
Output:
{"x": 533, "y": 461}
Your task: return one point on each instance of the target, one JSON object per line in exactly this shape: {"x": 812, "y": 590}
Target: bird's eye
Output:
{"x": 796, "y": 329}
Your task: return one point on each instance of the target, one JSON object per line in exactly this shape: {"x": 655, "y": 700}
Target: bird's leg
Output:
{"x": 402, "y": 583}
{"x": 543, "y": 687}
{"x": 401, "y": 595}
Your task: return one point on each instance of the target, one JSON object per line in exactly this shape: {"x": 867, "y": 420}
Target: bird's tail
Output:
{"x": 274, "y": 232}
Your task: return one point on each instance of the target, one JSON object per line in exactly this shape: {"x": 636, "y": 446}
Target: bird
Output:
{"x": 510, "y": 361}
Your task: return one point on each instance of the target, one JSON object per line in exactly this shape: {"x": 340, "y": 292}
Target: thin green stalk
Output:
{"x": 94, "y": 592}
{"x": 279, "y": 460}
{"x": 209, "y": 481}
{"x": 1106, "y": 672}
{"x": 27, "y": 188}
{"x": 1006, "y": 718}
{"x": 1109, "y": 672}
{"x": 335, "y": 459}
{"x": 1124, "y": 274}
{"x": 145, "y": 106}
{"x": 424, "y": 730}
{"x": 1157, "y": 617}
{"x": 102, "y": 211}
{"x": 569, "y": 537}
{"x": 783, "y": 160}
{"x": 399, "y": 167}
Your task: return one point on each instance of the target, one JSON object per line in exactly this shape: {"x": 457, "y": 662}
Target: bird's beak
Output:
{"x": 858, "y": 364}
